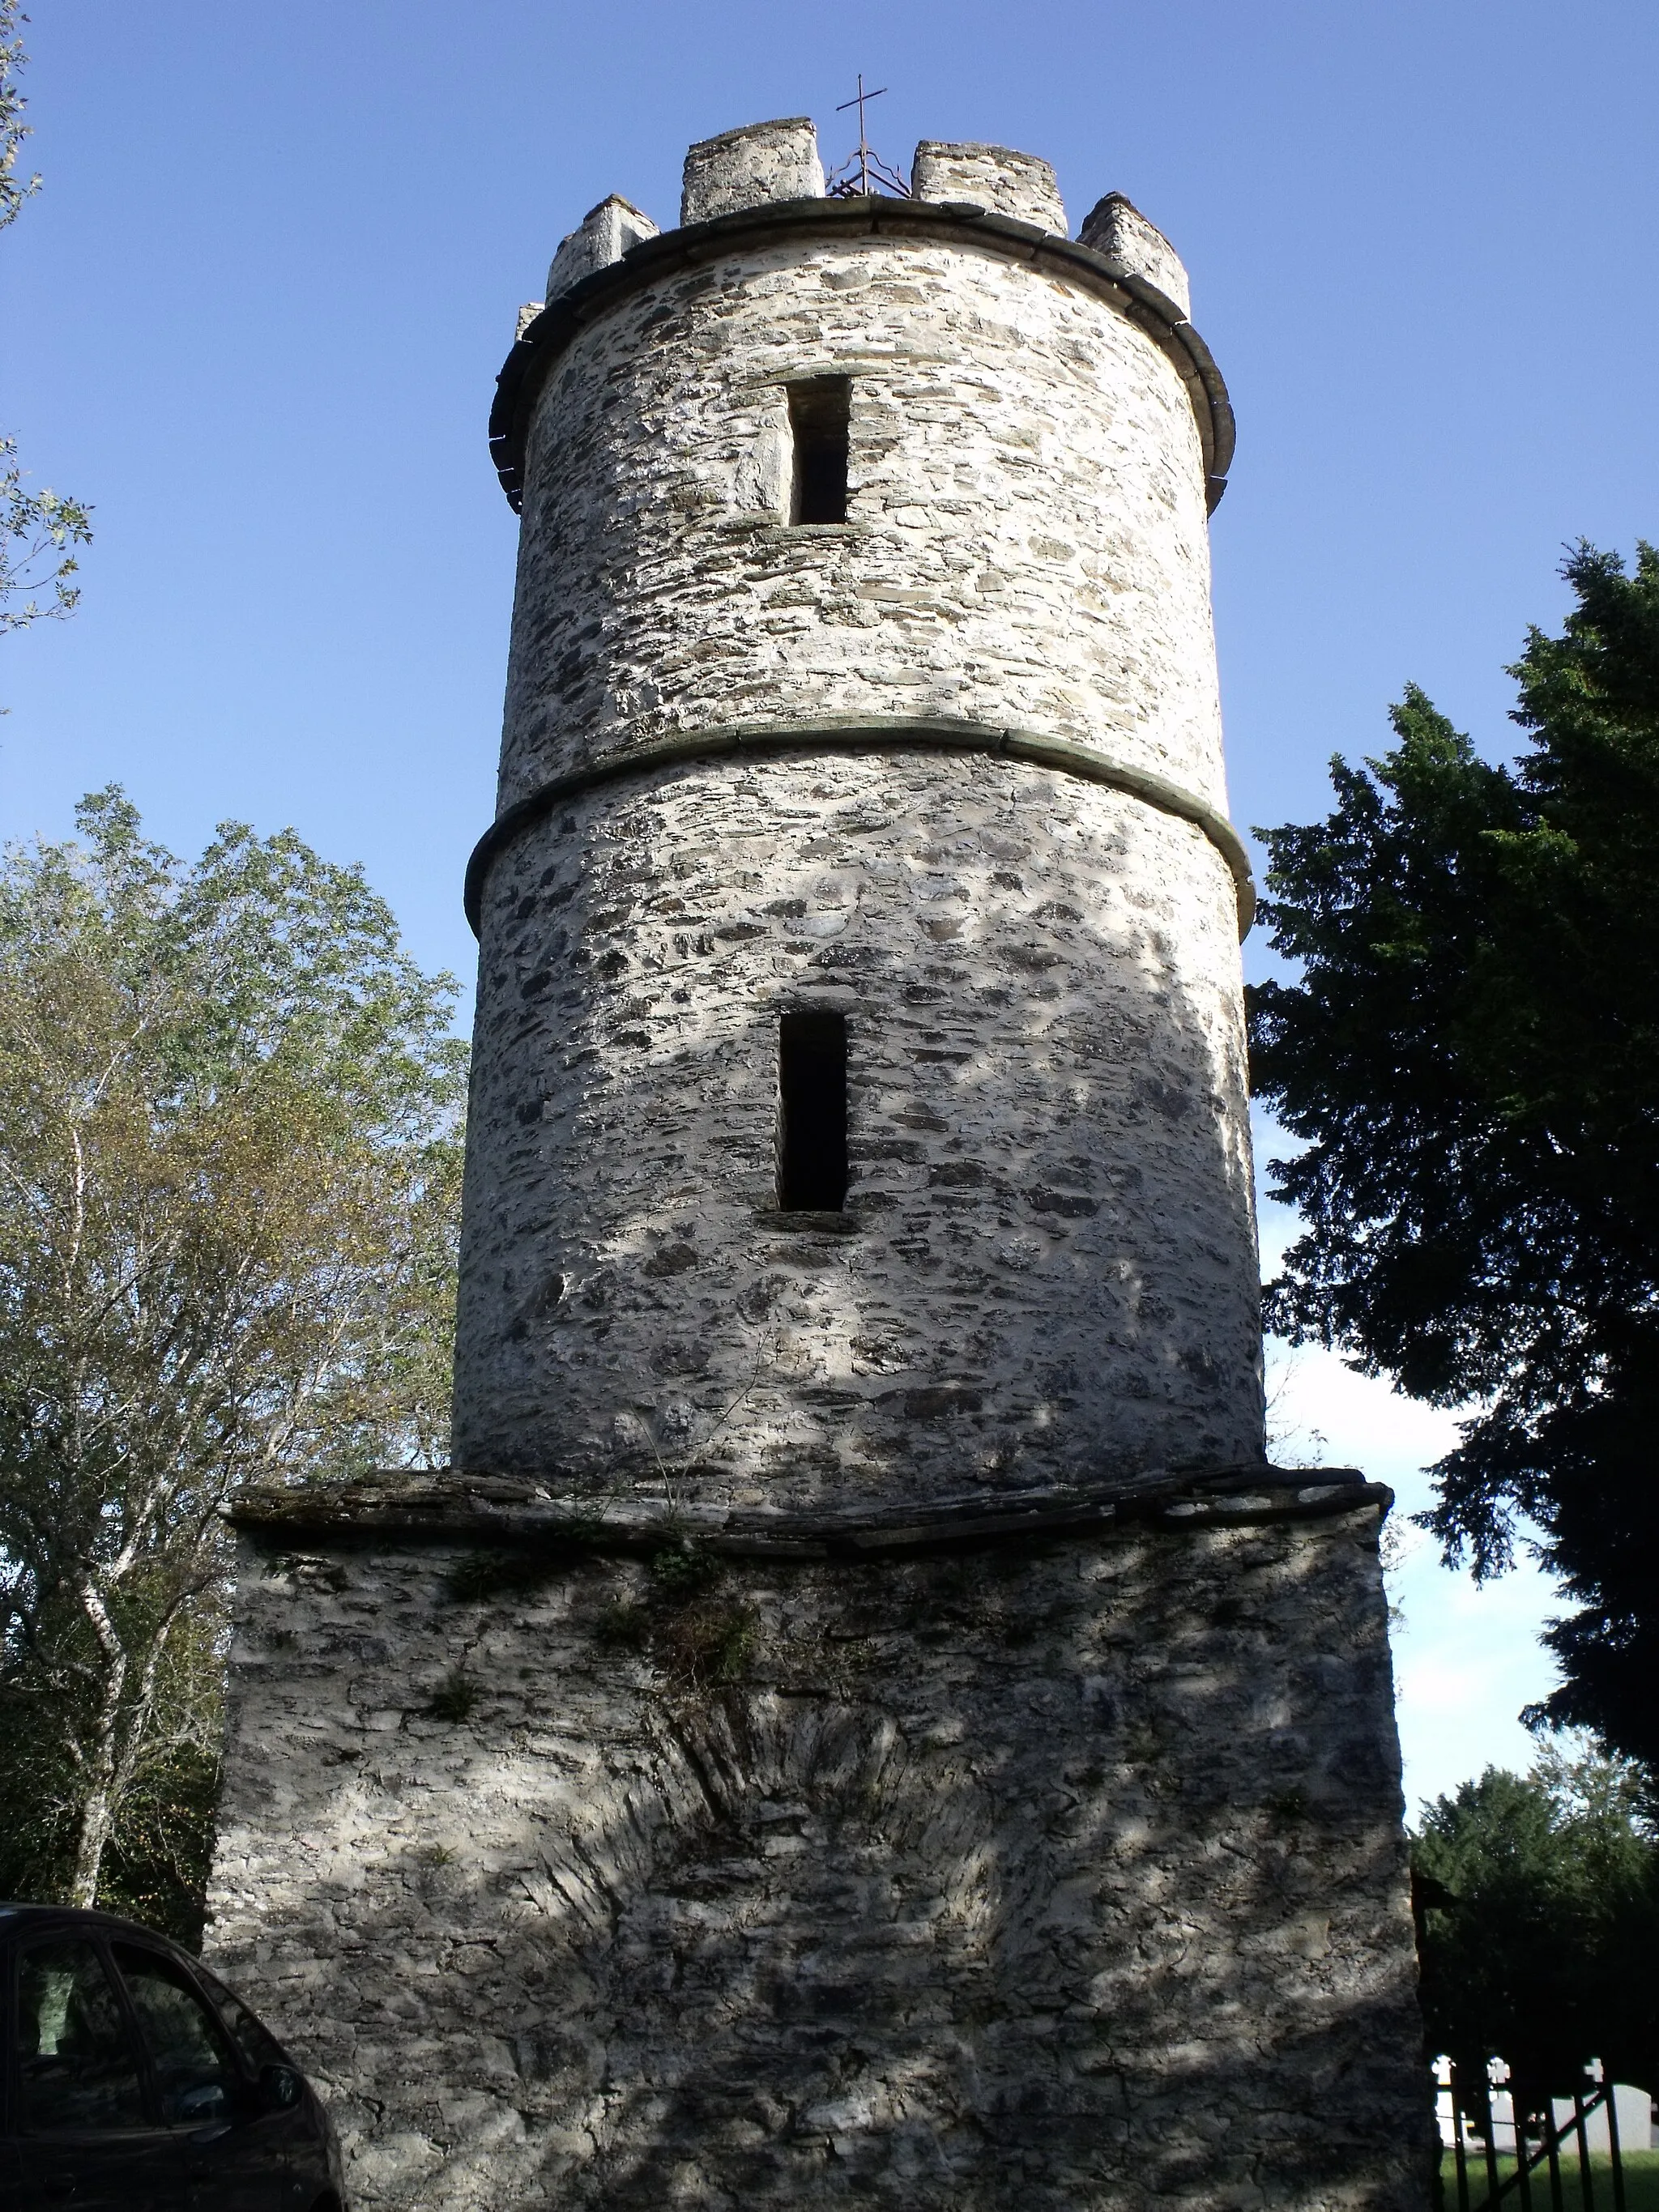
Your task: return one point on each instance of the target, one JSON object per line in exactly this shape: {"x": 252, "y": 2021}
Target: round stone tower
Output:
{"x": 860, "y": 1095}
{"x": 860, "y": 1720}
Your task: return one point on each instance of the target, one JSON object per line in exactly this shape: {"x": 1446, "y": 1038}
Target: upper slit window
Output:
{"x": 819, "y": 414}
{"x": 812, "y": 1104}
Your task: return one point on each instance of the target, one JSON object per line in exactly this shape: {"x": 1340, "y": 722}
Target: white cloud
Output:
{"x": 1467, "y": 1658}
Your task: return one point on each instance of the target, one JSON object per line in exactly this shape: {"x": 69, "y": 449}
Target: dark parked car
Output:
{"x": 136, "y": 2082}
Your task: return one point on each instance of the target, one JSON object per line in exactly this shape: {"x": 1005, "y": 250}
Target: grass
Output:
{"x": 1641, "y": 2181}
{"x": 455, "y": 1697}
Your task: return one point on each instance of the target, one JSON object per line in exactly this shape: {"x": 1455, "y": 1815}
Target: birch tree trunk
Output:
{"x": 97, "y": 1802}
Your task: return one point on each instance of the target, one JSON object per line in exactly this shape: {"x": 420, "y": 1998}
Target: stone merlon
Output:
{"x": 1116, "y": 227}
{"x": 993, "y": 177}
{"x": 603, "y": 235}
{"x": 746, "y": 169}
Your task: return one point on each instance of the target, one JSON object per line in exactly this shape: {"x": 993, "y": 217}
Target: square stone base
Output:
{"x": 1064, "y": 1872}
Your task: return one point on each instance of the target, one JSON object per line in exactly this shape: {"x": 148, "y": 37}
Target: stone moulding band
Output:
{"x": 544, "y": 341}
{"x": 498, "y": 1511}
{"x": 764, "y": 740}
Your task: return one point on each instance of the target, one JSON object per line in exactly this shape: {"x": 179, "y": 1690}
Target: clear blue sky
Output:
{"x": 256, "y": 314}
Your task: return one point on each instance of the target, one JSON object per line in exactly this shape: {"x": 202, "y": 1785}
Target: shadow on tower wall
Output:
{"x": 1066, "y": 1874}
{"x": 1048, "y": 1262}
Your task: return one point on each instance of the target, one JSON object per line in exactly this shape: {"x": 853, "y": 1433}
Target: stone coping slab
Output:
{"x": 446, "y": 1506}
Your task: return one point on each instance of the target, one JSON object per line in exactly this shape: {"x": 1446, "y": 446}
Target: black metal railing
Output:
{"x": 1540, "y": 2141}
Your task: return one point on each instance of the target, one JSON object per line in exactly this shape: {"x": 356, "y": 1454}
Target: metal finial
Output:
{"x": 864, "y": 173}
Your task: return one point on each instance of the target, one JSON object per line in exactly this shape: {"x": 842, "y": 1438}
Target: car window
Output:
{"x": 256, "y": 2043}
{"x": 76, "y": 2068}
{"x": 195, "y": 2072}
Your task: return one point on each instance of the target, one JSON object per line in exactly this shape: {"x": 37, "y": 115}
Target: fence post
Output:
{"x": 1460, "y": 2161}
{"x": 1586, "y": 2187}
{"x": 1520, "y": 2112}
{"x": 1615, "y": 2151}
{"x": 1552, "y": 2145}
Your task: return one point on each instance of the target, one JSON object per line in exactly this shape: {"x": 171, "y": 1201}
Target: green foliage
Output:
{"x": 14, "y": 189}
{"x": 37, "y": 529}
{"x": 623, "y": 1626}
{"x": 693, "y": 1633}
{"x": 484, "y": 1575}
{"x": 161, "y": 1850}
{"x": 706, "y": 1645}
{"x": 1471, "y": 1057}
{"x": 682, "y": 1572}
{"x": 1547, "y": 1952}
{"x": 229, "y": 1177}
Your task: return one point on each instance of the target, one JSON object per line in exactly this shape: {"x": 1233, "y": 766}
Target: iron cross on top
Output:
{"x": 864, "y": 172}
{"x": 858, "y": 101}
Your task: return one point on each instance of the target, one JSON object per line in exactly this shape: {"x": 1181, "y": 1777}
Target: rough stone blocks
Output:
{"x": 1047, "y": 1265}
{"x": 995, "y": 177}
{"x": 1056, "y": 1876}
{"x": 1114, "y": 227}
{"x": 747, "y": 167}
{"x": 603, "y": 235}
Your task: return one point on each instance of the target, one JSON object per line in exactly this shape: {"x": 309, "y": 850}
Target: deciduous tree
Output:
{"x": 229, "y": 1171}
{"x": 39, "y": 529}
{"x": 1543, "y": 1947}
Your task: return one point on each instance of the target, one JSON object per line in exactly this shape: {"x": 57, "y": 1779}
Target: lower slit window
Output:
{"x": 812, "y": 1098}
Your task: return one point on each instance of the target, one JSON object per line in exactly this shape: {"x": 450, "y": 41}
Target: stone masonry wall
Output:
{"x": 1026, "y": 540}
{"x": 588, "y": 1861}
{"x": 995, "y": 177}
{"x": 1062, "y": 1877}
{"x": 1048, "y": 1261}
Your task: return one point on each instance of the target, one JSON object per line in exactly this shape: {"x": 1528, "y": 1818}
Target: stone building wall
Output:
{"x": 1048, "y": 1261}
{"x": 623, "y": 1820}
{"x": 1059, "y": 1873}
{"x": 1025, "y": 542}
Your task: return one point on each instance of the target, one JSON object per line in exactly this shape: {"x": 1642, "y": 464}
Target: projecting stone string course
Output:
{"x": 937, "y": 736}
{"x": 862, "y": 1721}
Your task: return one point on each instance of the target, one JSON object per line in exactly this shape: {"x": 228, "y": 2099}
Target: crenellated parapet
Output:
{"x": 617, "y": 253}
{"x": 773, "y": 171}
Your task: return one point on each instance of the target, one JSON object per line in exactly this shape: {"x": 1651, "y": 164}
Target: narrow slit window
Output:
{"x": 812, "y": 1098}
{"x": 819, "y": 414}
